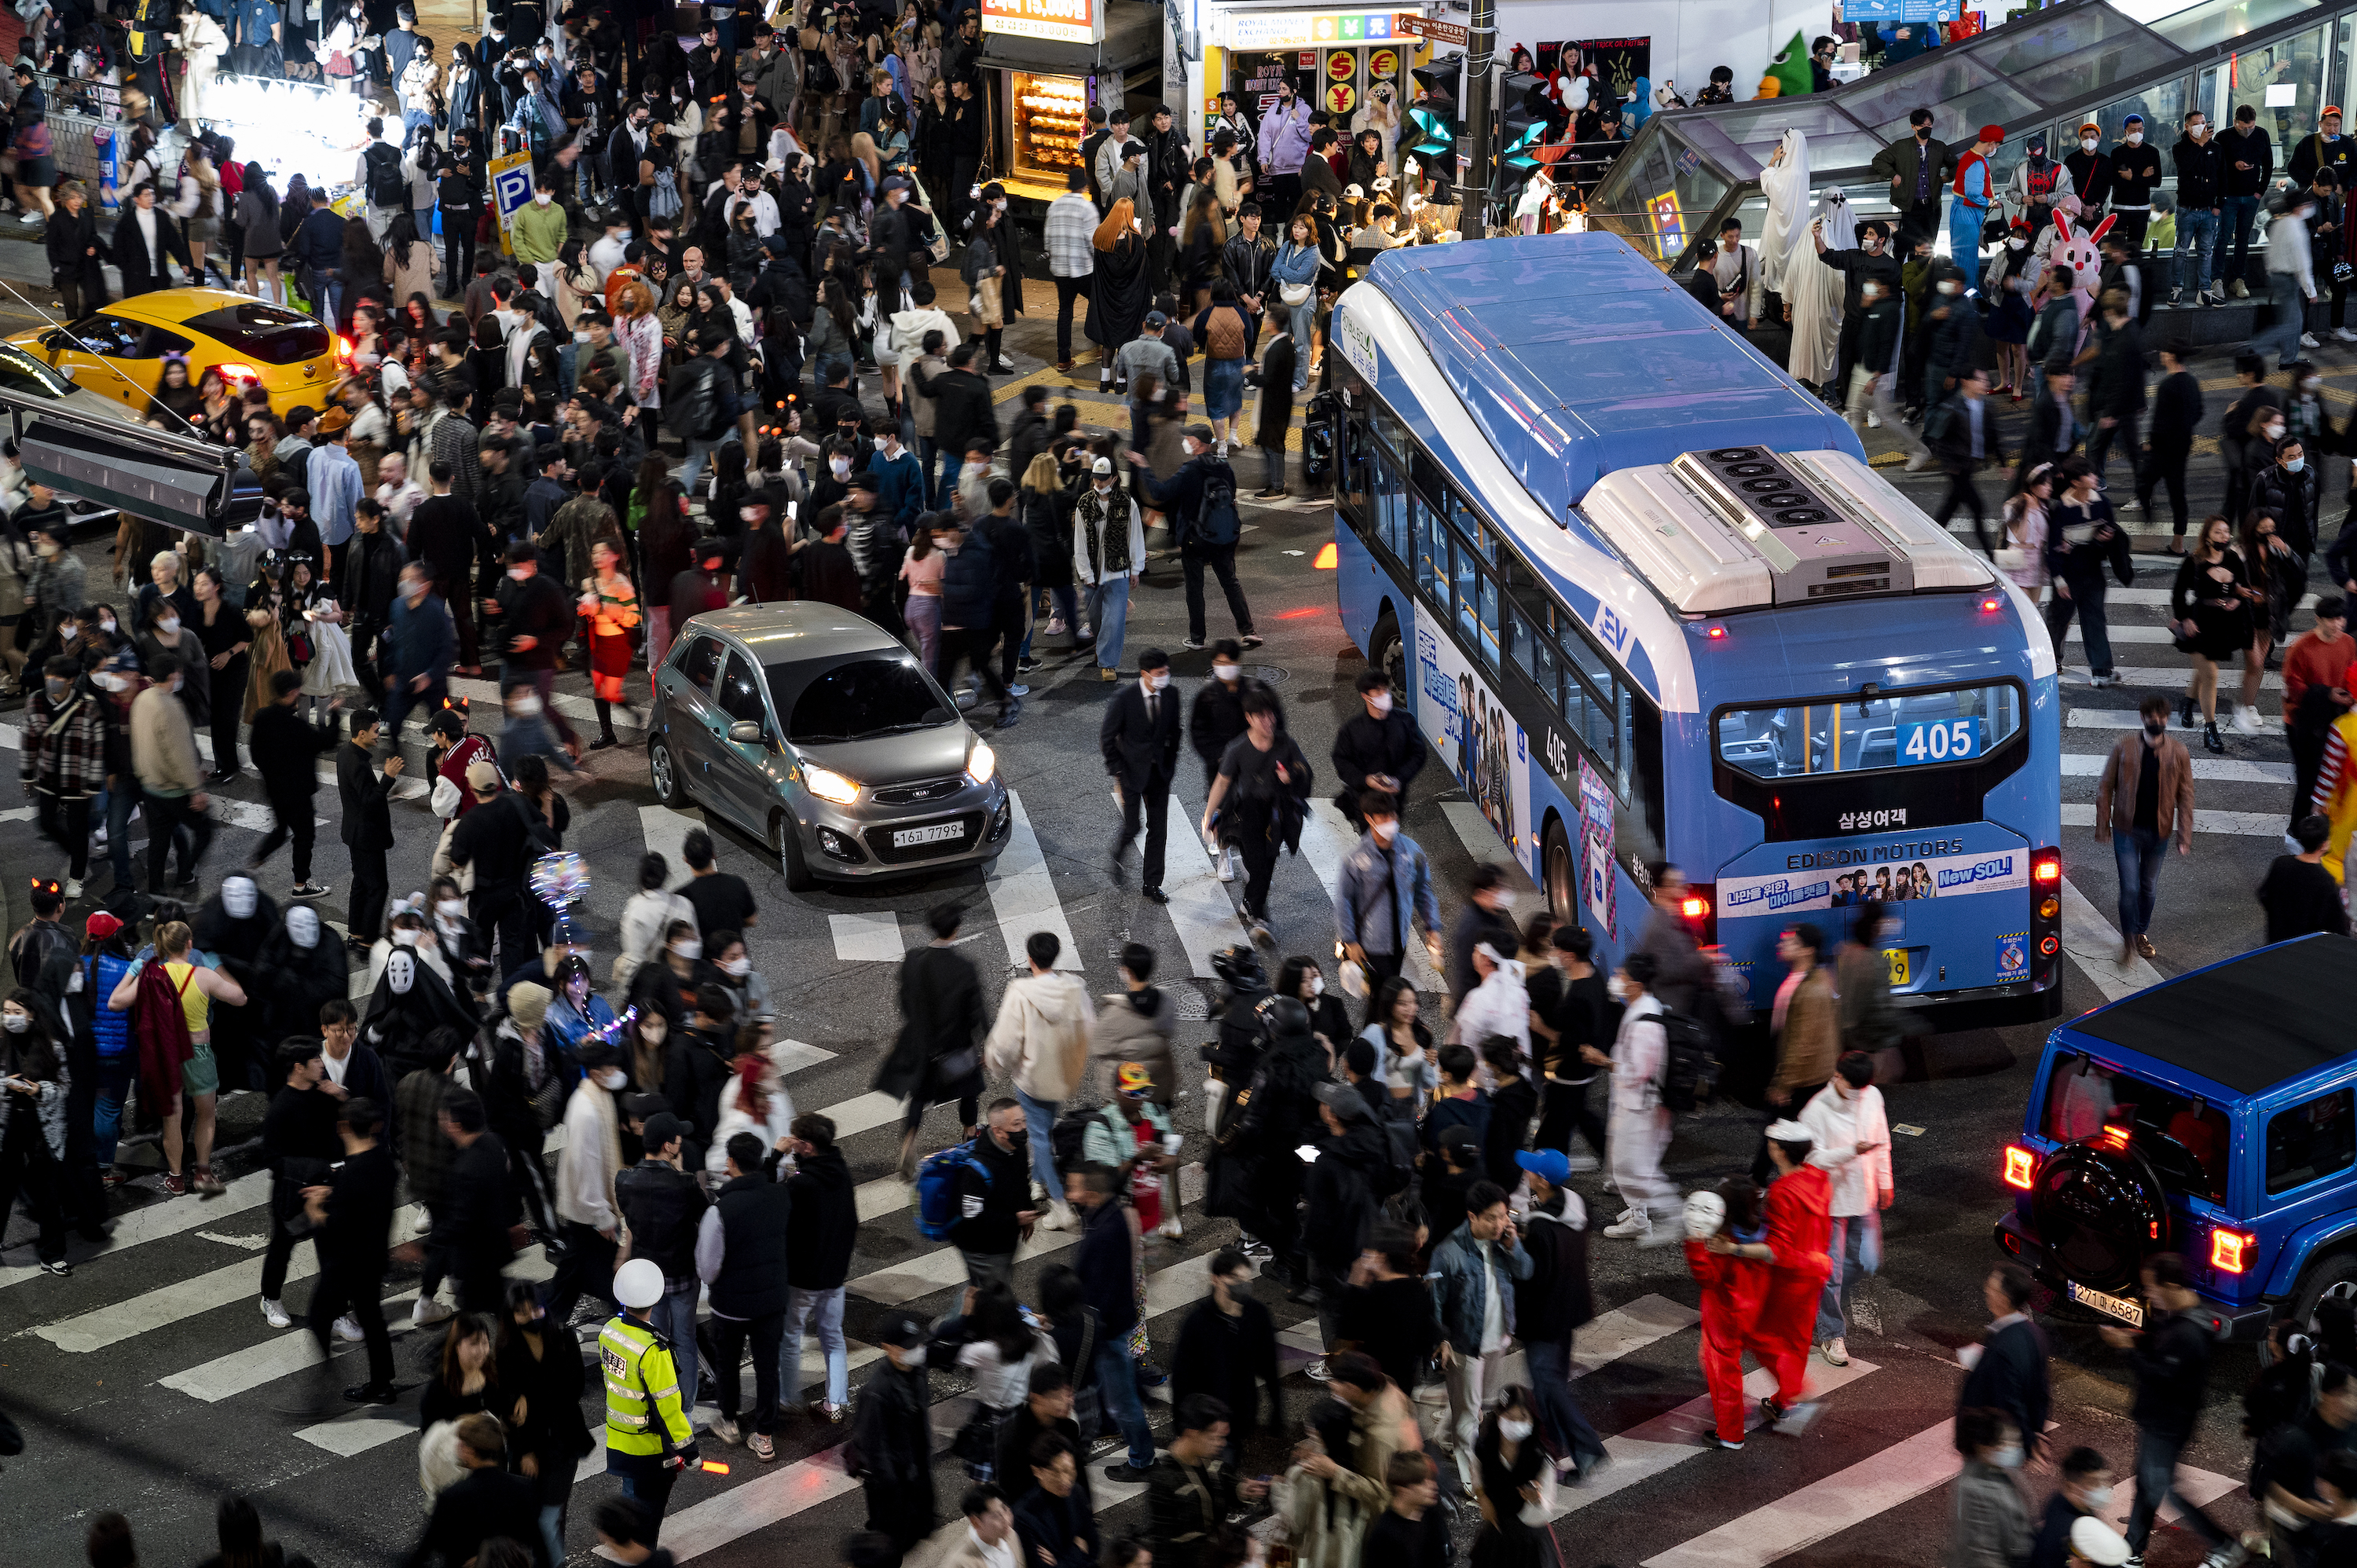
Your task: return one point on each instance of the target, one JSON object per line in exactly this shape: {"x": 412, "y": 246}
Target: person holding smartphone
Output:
{"x": 1854, "y": 1151}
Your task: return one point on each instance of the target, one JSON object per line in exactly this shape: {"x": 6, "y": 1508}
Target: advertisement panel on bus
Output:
{"x": 1488, "y": 751}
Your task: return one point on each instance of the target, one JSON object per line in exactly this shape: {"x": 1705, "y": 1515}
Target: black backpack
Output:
{"x": 1217, "y": 521}
{"x": 1069, "y": 1135}
{"x": 386, "y": 186}
{"x": 1689, "y": 1064}
{"x": 692, "y": 416}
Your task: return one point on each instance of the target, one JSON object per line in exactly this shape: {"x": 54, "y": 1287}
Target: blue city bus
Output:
{"x": 1649, "y": 602}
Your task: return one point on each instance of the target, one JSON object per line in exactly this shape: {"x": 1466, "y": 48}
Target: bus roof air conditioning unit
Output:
{"x": 1744, "y": 527}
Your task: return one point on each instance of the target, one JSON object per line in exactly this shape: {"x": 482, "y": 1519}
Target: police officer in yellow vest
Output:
{"x": 647, "y": 1439}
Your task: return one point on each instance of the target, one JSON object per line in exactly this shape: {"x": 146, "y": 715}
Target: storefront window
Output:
{"x": 2283, "y": 82}
{"x": 1051, "y": 118}
{"x": 2344, "y": 34}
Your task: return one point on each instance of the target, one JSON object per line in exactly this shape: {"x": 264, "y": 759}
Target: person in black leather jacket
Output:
{"x": 2171, "y": 1359}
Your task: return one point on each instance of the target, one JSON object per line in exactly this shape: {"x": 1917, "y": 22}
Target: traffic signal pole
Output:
{"x": 1480, "y": 48}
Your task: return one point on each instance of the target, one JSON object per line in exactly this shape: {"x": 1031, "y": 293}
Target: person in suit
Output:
{"x": 2006, "y": 1371}
{"x": 146, "y": 243}
{"x": 1139, "y": 738}
{"x": 368, "y": 823}
{"x": 941, "y": 1024}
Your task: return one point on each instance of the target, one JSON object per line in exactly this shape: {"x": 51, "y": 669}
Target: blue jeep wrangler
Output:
{"x": 2213, "y": 1115}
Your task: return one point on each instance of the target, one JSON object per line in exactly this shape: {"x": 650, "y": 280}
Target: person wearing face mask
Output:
{"x": 163, "y": 755}
{"x": 1508, "y": 1467}
{"x": 2029, "y": 195}
{"x": 2089, "y": 170}
{"x": 1854, "y": 1147}
{"x": 587, "y": 1165}
{"x": 234, "y": 926}
{"x": 62, "y": 764}
{"x": 1139, "y": 739}
{"x": 2145, "y": 798}
{"x": 2200, "y": 163}
{"x": 2291, "y": 277}
{"x": 1918, "y": 169}
{"x": 1991, "y": 1520}
{"x": 2082, "y": 539}
{"x": 2134, "y": 168}
{"x": 1378, "y": 748}
{"x": 2085, "y": 1492}
{"x": 1488, "y": 917}
{"x": 1108, "y": 552}
{"x": 1976, "y": 192}
{"x": 1200, "y": 500}
{"x": 1873, "y": 376}
{"x": 34, "y": 1082}
{"x": 1384, "y": 892}
{"x": 1257, "y": 801}
{"x": 2007, "y": 1370}
{"x": 366, "y": 798}
{"x": 892, "y": 1433}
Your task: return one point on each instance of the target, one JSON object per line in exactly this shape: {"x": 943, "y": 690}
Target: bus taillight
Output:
{"x": 1699, "y": 911}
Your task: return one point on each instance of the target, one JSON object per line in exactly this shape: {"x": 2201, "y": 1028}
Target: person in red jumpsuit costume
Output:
{"x": 1732, "y": 1290}
{"x": 1799, "y": 1223}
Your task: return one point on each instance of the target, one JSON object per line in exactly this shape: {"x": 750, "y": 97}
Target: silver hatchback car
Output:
{"x": 810, "y": 729}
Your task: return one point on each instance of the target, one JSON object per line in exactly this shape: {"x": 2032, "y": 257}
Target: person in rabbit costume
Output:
{"x": 2079, "y": 252}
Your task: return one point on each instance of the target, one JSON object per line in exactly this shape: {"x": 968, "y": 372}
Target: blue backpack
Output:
{"x": 937, "y": 1195}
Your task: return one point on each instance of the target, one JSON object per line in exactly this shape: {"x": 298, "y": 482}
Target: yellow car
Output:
{"x": 118, "y": 352}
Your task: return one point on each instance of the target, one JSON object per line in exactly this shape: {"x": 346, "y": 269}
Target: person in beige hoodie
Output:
{"x": 164, "y": 754}
{"x": 1041, "y": 1039}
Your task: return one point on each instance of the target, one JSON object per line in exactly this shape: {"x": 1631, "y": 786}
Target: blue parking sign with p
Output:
{"x": 511, "y": 190}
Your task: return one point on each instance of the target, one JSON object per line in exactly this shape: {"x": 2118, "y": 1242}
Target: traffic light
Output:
{"x": 1432, "y": 119}
{"x": 1523, "y": 125}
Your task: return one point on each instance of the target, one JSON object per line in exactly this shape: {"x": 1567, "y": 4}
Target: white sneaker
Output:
{"x": 98, "y": 841}
{"x": 1920, "y": 461}
{"x": 348, "y": 1329}
{"x": 2247, "y": 720}
{"x": 73, "y": 887}
{"x": 1169, "y": 1227}
{"x": 2307, "y": 340}
{"x": 429, "y": 1311}
{"x": 1873, "y": 420}
{"x": 726, "y": 1429}
{"x": 1058, "y": 1217}
{"x": 1018, "y": 689}
{"x": 1636, "y": 1225}
{"x": 1836, "y": 1351}
{"x": 2344, "y": 335}
{"x": 1225, "y": 861}
{"x": 276, "y": 1313}
{"x": 29, "y": 219}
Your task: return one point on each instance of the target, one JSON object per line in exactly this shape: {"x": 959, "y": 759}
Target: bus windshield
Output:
{"x": 1901, "y": 729}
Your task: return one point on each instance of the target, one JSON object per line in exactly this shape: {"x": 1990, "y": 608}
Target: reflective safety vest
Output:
{"x": 643, "y": 1419}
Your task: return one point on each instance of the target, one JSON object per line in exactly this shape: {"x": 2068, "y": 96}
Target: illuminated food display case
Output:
{"x": 1050, "y": 114}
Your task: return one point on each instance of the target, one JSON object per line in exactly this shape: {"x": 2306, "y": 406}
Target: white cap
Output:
{"x": 638, "y": 1283}
{"x": 1102, "y": 465}
{"x": 2098, "y": 1543}
{"x": 1789, "y": 1131}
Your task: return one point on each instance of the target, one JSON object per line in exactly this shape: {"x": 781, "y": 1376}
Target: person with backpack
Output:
{"x": 1637, "y": 1134}
{"x": 1357, "y": 1167}
{"x": 378, "y": 173}
{"x": 977, "y": 1195}
{"x": 698, "y": 401}
{"x": 1200, "y": 501}
{"x": 1041, "y": 1038}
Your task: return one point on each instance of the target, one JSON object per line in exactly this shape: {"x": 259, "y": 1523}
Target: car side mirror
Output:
{"x": 745, "y": 732}
{"x": 55, "y": 340}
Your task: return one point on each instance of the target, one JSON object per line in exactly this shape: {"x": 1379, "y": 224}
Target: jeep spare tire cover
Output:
{"x": 2101, "y": 1212}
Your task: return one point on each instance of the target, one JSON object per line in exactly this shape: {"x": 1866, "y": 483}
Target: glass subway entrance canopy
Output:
{"x": 2052, "y": 70}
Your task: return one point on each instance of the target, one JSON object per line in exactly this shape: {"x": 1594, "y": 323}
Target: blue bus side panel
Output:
{"x": 1360, "y": 587}
{"x": 1972, "y": 930}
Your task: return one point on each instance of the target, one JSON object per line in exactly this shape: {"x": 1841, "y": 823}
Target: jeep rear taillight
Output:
{"x": 2230, "y": 1250}
{"x": 2020, "y": 1168}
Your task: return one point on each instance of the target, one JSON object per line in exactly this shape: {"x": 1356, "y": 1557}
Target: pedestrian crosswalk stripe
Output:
{"x": 1201, "y": 910}
{"x": 665, "y": 829}
{"x": 1627, "y": 1330}
{"x": 1825, "y": 1507}
{"x": 182, "y": 1299}
{"x": 566, "y": 703}
{"x": 1480, "y": 839}
{"x": 2126, "y": 633}
{"x": 155, "y": 1222}
{"x": 2094, "y": 942}
{"x": 867, "y": 938}
{"x": 767, "y": 1499}
{"x": 2133, "y": 719}
{"x": 1023, "y": 896}
{"x": 2211, "y": 769}
{"x": 868, "y": 1112}
{"x": 1675, "y": 1437}
{"x": 942, "y": 1268}
{"x": 2230, "y": 679}
{"x": 2240, "y": 824}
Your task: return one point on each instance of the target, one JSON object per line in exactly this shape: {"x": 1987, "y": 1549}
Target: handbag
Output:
{"x": 956, "y": 1067}
{"x": 2012, "y": 558}
{"x": 1293, "y": 295}
{"x": 1540, "y": 1511}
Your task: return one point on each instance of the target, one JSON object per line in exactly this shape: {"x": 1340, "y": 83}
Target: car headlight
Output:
{"x": 982, "y": 763}
{"x": 828, "y": 784}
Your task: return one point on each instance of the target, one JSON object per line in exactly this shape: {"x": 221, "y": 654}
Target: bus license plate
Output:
{"x": 939, "y": 832}
{"x": 1899, "y": 972}
{"x": 2128, "y": 1312}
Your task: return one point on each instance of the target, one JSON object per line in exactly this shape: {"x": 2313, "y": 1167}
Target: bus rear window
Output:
{"x": 2186, "y": 1138}
{"x": 1905, "y": 729}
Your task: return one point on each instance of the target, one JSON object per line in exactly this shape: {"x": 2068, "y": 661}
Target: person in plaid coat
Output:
{"x": 64, "y": 760}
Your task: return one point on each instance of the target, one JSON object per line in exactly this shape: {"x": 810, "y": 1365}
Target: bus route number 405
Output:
{"x": 1938, "y": 740}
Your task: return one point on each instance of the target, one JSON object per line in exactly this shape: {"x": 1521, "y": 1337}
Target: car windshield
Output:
{"x": 2185, "y": 1137}
{"x": 19, "y": 371}
{"x": 861, "y": 700}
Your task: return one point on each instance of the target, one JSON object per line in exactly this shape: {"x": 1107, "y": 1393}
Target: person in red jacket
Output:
{"x": 1732, "y": 1289}
{"x": 1799, "y": 1223}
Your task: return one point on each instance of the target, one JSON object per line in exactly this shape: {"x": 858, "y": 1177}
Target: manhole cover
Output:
{"x": 1190, "y": 1002}
{"x": 1273, "y": 674}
